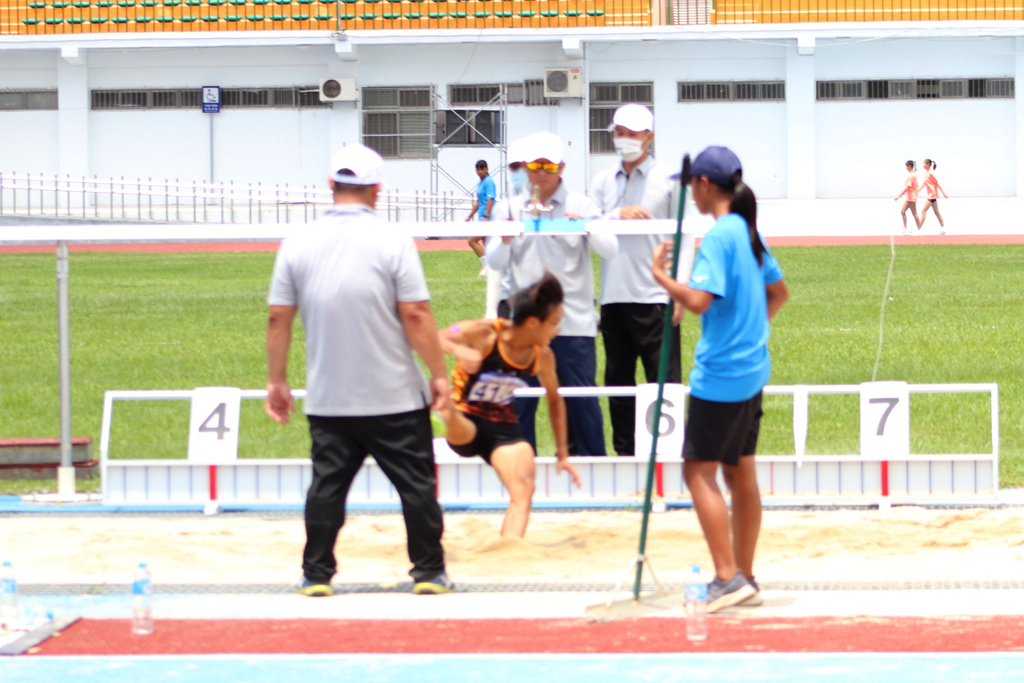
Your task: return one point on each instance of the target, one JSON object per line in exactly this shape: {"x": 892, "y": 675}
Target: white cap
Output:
{"x": 636, "y": 117}
{"x": 542, "y": 145}
{"x": 516, "y": 152}
{"x": 361, "y": 166}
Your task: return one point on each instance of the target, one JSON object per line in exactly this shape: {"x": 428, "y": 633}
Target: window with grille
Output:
{"x": 922, "y": 88}
{"x": 397, "y": 122}
{"x": 191, "y": 98}
{"x": 469, "y": 127}
{"x": 19, "y": 100}
{"x": 742, "y": 91}
{"x": 605, "y": 98}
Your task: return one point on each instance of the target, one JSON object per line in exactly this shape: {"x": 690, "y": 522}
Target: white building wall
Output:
{"x": 796, "y": 148}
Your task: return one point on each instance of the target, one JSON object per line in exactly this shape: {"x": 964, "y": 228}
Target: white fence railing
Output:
{"x": 799, "y": 478}
{"x": 172, "y": 201}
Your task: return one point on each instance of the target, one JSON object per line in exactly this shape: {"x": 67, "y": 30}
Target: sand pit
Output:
{"x": 904, "y": 544}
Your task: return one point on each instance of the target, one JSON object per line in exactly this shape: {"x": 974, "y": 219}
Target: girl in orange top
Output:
{"x": 911, "y": 201}
{"x": 931, "y": 184}
{"x": 494, "y": 358}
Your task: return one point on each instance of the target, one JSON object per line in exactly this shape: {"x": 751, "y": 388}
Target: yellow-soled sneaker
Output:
{"x": 313, "y": 590}
{"x": 435, "y": 586}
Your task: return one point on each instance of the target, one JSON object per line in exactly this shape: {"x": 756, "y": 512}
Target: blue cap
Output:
{"x": 719, "y": 164}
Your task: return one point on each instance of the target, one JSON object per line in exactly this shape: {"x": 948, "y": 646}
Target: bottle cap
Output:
{"x": 695, "y": 569}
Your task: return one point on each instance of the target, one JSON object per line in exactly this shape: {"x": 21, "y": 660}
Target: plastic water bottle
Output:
{"x": 142, "y": 602}
{"x": 8, "y": 595}
{"x": 696, "y": 607}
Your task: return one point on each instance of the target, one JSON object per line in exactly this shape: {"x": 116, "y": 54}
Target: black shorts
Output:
{"x": 490, "y": 435}
{"x": 722, "y": 432}
{"x": 934, "y": 201}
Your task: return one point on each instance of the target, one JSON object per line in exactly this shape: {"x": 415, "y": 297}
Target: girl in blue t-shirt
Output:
{"x": 736, "y": 287}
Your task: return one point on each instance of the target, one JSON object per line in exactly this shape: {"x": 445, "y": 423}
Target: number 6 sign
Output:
{"x": 673, "y": 415}
{"x": 885, "y": 420}
{"x": 213, "y": 425}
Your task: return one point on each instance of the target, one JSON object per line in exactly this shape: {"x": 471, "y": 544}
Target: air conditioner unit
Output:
{"x": 563, "y": 82}
{"x": 338, "y": 90}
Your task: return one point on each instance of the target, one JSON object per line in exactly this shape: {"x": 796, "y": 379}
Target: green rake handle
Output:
{"x": 666, "y": 340}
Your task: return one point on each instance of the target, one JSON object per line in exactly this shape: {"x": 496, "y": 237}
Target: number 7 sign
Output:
{"x": 885, "y": 419}
{"x": 213, "y": 425}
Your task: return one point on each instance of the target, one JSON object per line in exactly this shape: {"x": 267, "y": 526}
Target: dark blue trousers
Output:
{"x": 576, "y": 358}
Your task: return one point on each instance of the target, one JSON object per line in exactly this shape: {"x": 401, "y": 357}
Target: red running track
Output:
{"x": 562, "y": 636}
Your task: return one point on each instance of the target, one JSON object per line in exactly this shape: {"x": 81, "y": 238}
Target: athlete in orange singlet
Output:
{"x": 494, "y": 357}
{"x": 910, "y": 190}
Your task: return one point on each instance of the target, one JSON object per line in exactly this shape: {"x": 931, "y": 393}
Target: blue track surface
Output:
{"x": 717, "y": 668}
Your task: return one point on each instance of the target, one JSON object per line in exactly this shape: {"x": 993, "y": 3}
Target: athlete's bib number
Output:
{"x": 213, "y": 424}
{"x": 495, "y": 387}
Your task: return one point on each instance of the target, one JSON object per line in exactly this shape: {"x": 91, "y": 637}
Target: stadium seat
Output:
{"x": 503, "y": 15}
{"x": 208, "y": 19}
{"x": 279, "y": 17}
{"x": 75, "y": 20}
{"x": 255, "y": 17}
{"x": 61, "y": 4}
{"x": 82, "y": 5}
{"x": 595, "y": 12}
{"x": 193, "y": 3}
{"x": 369, "y": 16}
{"x": 98, "y": 20}
{"x": 172, "y": 3}
{"x": 322, "y": 17}
{"x": 119, "y": 20}
{"x": 549, "y": 13}
{"x": 188, "y": 20}
{"x": 143, "y": 20}
{"x": 105, "y": 3}
{"x": 165, "y": 20}
{"x": 573, "y": 12}
{"x": 149, "y": 3}
{"x": 391, "y": 15}
{"x": 457, "y": 15}
{"x": 215, "y": 3}
{"x": 54, "y": 21}
{"x": 413, "y": 15}
{"x": 346, "y": 16}
{"x": 526, "y": 14}
{"x": 233, "y": 18}
{"x": 305, "y": 2}
{"x": 481, "y": 15}
{"x": 300, "y": 17}
{"x": 30, "y": 22}
{"x": 437, "y": 15}
{"x": 126, "y": 3}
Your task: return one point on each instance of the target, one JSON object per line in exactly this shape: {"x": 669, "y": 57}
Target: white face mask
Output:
{"x": 628, "y": 148}
{"x": 518, "y": 178}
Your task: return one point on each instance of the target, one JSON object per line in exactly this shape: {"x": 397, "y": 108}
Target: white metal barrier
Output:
{"x": 883, "y": 473}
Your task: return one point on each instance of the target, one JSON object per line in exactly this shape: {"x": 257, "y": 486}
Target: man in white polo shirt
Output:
{"x": 567, "y": 257}
{"x": 632, "y": 303}
{"x": 365, "y": 309}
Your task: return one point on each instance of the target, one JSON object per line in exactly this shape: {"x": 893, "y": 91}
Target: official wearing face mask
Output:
{"x": 632, "y": 303}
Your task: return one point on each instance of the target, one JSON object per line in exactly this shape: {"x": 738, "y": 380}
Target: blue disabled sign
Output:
{"x": 211, "y": 99}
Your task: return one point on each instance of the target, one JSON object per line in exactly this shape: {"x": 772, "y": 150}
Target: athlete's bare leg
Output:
{"x": 461, "y": 429}
{"x": 515, "y": 467}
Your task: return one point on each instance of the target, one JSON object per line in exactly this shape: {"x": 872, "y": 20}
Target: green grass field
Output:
{"x": 178, "y": 321}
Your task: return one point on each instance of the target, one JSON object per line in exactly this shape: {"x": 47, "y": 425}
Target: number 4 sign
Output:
{"x": 213, "y": 424}
{"x": 885, "y": 420}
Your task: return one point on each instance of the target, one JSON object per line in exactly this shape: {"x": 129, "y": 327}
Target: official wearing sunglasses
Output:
{"x": 568, "y": 258}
